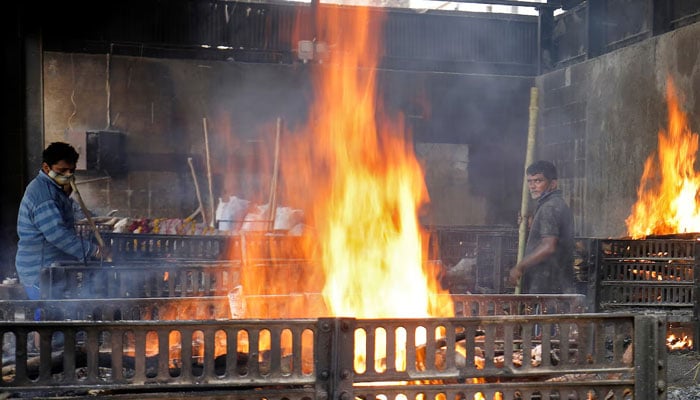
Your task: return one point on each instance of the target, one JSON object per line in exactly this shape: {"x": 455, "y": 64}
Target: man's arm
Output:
{"x": 544, "y": 250}
{"x": 49, "y": 221}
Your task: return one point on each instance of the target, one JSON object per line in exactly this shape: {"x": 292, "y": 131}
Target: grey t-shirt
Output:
{"x": 556, "y": 274}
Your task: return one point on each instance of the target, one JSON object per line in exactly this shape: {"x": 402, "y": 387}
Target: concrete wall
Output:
{"x": 600, "y": 121}
{"x": 159, "y": 105}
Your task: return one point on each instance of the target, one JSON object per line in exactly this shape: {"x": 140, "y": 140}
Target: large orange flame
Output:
{"x": 353, "y": 171}
{"x": 361, "y": 180}
{"x": 668, "y": 192}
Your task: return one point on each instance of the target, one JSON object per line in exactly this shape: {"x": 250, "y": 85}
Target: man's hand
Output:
{"x": 103, "y": 253}
{"x": 515, "y": 274}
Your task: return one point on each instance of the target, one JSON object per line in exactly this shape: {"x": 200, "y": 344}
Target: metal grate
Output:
{"x": 164, "y": 278}
{"x": 139, "y": 279}
{"x": 152, "y": 309}
{"x": 651, "y": 274}
{"x": 261, "y": 306}
{"x": 485, "y": 305}
{"x": 137, "y": 247}
{"x": 496, "y": 254}
{"x": 494, "y": 248}
{"x": 124, "y": 246}
{"x": 615, "y": 356}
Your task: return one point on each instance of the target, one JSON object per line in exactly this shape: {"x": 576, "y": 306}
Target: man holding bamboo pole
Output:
{"x": 547, "y": 266}
{"x": 45, "y": 224}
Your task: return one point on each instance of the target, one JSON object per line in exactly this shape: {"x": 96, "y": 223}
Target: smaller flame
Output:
{"x": 667, "y": 197}
{"x": 680, "y": 342}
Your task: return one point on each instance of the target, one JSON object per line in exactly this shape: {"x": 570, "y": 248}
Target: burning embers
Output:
{"x": 682, "y": 342}
{"x": 678, "y": 338}
{"x": 667, "y": 200}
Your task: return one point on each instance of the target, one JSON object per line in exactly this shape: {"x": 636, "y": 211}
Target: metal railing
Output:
{"x": 615, "y": 356}
{"x": 644, "y": 275}
{"x": 258, "y": 306}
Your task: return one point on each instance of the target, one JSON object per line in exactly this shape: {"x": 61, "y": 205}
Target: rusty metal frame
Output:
{"x": 157, "y": 278}
{"x": 472, "y": 305}
{"x": 634, "y": 275}
{"x": 598, "y": 354}
{"x": 160, "y": 308}
{"x": 217, "y": 307}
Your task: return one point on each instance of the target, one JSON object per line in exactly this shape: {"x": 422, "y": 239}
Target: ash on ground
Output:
{"x": 683, "y": 375}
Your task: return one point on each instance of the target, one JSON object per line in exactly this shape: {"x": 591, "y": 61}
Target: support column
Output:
{"x": 595, "y": 28}
{"x": 659, "y": 16}
{"x": 545, "y": 43}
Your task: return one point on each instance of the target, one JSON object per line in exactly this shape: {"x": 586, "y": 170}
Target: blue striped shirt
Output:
{"x": 46, "y": 230}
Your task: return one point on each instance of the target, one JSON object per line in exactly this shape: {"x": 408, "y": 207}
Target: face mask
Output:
{"x": 60, "y": 179}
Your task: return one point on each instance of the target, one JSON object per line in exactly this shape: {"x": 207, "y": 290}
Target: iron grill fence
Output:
{"x": 653, "y": 274}
{"x": 260, "y": 306}
{"x": 614, "y": 356}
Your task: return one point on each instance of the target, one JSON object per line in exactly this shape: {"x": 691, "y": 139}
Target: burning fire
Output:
{"x": 667, "y": 197}
{"x": 674, "y": 342}
{"x": 366, "y": 181}
{"x": 367, "y": 186}
{"x": 353, "y": 170}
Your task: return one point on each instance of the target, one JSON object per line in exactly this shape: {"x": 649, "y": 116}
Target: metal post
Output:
{"x": 650, "y": 357}
{"x": 545, "y": 42}
{"x": 334, "y": 353}
{"x": 595, "y": 28}
{"x": 696, "y": 293}
{"x": 594, "y": 275}
{"x": 34, "y": 105}
{"x": 660, "y": 16}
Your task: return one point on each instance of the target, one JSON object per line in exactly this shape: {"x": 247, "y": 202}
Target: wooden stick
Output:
{"x": 273, "y": 184}
{"x": 206, "y": 151}
{"x": 196, "y": 188}
{"x": 532, "y": 127}
{"x": 91, "y": 222}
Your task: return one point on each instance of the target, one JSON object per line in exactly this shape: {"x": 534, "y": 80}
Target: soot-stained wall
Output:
{"x": 160, "y": 104}
{"x": 600, "y": 121}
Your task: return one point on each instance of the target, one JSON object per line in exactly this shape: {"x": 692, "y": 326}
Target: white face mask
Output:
{"x": 60, "y": 179}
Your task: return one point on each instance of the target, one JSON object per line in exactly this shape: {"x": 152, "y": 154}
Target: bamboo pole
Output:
{"x": 531, "y": 131}
{"x": 275, "y": 174}
{"x": 211, "y": 192}
{"x": 91, "y": 222}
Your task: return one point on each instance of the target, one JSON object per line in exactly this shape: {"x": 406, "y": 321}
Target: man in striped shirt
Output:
{"x": 45, "y": 224}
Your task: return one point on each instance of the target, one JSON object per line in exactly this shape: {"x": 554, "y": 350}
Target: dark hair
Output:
{"x": 58, "y": 151}
{"x": 545, "y": 168}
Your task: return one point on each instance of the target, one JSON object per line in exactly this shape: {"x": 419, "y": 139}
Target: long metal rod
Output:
{"x": 196, "y": 189}
{"x": 272, "y": 211}
{"x": 549, "y": 4}
{"x": 212, "y": 215}
{"x": 683, "y": 19}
